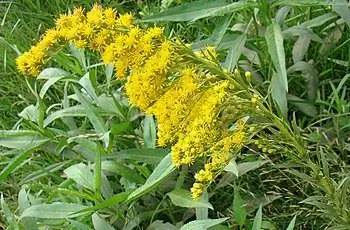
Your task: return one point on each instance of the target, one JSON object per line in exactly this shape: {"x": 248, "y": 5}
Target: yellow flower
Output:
{"x": 172, "y": 107}
{"x": 144, "y": 87}
{"x": 197, "y": 190}
{"x": 152, "y": 33}
{"x": 200, "y": 129}
{"x": 80, "y": 43}
{"x": 50, "y": 38}
{"x": 110, "y": 16}
{"x": 132, "y": 37}
{"x": 98, "y": 43}
{"x": 204, "y": 176}
{"x": 95, "y": 15}
{"x": 63, "y": 21}
{"x": 78, "y": 14}
{"x": 121, "y": 66}
{"x": 86, "y": 30}
{"x": 126, "y": 19}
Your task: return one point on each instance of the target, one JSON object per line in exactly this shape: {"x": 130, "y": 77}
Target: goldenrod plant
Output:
{"x": 158, "y": 72}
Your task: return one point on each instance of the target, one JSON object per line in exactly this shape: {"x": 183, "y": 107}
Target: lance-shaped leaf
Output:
{"x": 279, "y": 82}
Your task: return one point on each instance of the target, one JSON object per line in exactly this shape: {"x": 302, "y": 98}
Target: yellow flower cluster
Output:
{"x": 185, "y": 99}
{"x": 31, "y": 61}
{"x": 219, "y": 156}
{"x": 95, "y": 30}
{"x": 172, "y": 107}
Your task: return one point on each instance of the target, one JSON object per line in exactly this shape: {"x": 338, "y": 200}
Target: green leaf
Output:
{"x": 149, "y": 132}
{"x": 69, "y": 121}
{"x": 42, "y": 172}
{"x": 279, "y": 93}
{"x": 292, "y": 223}
{"x": 239, "y": 209}
{"x": 300, "y": 48}
{"x": 267, "y": 225}
{"x": 87, "y": 84}
{"x": 50, "y": 82}
{"x": 282, "y": 14}
{"x": 310, "y": 75}
{"x": 114, "y": 200}
{"x": 15, "y": 163}
{"x": 98, "y": 171}
{"x": 81, "y": 174}
{"x": 124, "y": 171}
{"x": 30, "y": 113}
{"x": 21, "y": 139}
{"x": 235, "y": 52}
{"x": 253, "y": 202}
{"x": 303, "y": 2}
{"x": 79, "y": 55}
{"x": 79, "y": 226}
{"x": 95, "y": 118}
{"x": 226, "y": 41}
{"x": 23, "y": 200}
{"x": 258, "y": 219}
{"x": 203, "y": 213}
{"x": 108, "y": 104}
{"x": 331, "y": 40}
{"x": 149, "y": 156}
{"x": 109, "y": 73}
{"x": 217, "y": 34}
{"x": 320, "y": 20}
{"x": 49, "y": 73}
{"x": 302, "y": 105}
{"x": 106, "y": 188}
{"x": 183, "y": 198}
{"x": 74, "y": 111}
{"x": 121, "y": 128}
{"x": 163, "y": 169}
{"x": 199, "y": 9}
{"x": 159, "y": 225}
{"x": 279, "y": 81}
{"x": 57, "y": 210}
{"x": 8, "y": 215}
{"x": 232, "y": 167}
{"x": 86, "y": 148}
{"x": 202, "y": 224}
{"x": 301, "y": 31}
{"x": 243, "y": 168}
{"x": 100, "y": 223}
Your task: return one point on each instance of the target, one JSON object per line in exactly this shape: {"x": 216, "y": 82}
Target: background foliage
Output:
{"x": 75, "y": 155}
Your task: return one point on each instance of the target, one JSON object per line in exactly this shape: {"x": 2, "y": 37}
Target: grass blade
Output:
{"x": 57, "y": 210}
{"x": 164, "y": 168}
{"x": 258, "y": 219}
{"x": 21, "y": 139}
{"x": 235, "y": 52}
{"x": 341, "y": 7}
{"x": 279, "y": 82}
{"x": 183, "y": 198}
{"x": 15, "y": 163}
{"x": 202, "y": 224}
{"x": 199, "y": 9}
{"x": 95, "y": 118}
{"x": 292, "y": 223}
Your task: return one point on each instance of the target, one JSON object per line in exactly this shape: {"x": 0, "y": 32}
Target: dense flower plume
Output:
{"x": 186, "y": 99}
